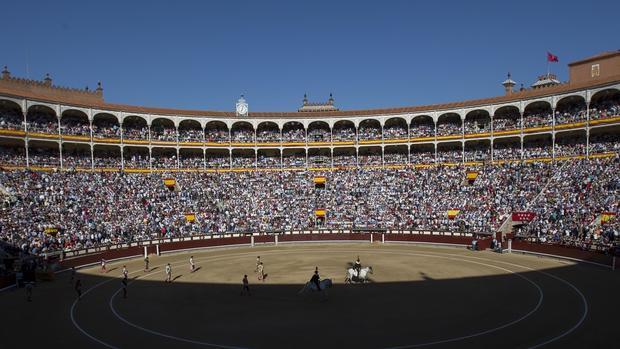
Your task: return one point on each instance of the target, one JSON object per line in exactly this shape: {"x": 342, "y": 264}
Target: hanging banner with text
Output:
{"x": 523, "y": 216}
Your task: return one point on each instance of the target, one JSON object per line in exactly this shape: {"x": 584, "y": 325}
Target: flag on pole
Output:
{"x": 551, "y": 57}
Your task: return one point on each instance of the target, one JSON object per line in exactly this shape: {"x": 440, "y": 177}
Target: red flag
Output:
{"x": 551, "y": 57}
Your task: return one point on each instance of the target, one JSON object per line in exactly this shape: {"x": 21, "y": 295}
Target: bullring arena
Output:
{"x": 420, "y": 295}
{"x": 483, "y": 223}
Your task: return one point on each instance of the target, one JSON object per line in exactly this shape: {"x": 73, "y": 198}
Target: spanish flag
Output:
{"x": 170, "y": 182}
{"x": 472, "y": 175}
{"x": 452, "y": 213}
{"x": 606, "y": 217}
{"x": 320, "y": 212}
{"x": 190, "y": 217}
{"x": 320, "y": 180}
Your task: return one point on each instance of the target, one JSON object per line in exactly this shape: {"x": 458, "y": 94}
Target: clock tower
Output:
{"x": 242, "y": 107}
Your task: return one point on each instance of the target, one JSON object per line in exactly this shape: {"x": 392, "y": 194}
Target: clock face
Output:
{"x": 242, "y": 108}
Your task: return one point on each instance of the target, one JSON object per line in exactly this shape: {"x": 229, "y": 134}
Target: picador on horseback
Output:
{"x": 355, "y": 273}
{"x": 316, "y": 279}
{"x": 358, "y": 265}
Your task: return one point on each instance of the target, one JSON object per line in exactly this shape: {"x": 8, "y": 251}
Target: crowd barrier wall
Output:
{"x": 439, "y": 238}
{"x": 567, "y": 252}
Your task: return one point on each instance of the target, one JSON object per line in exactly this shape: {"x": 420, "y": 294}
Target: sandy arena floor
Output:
{"x": 418, "y": 297}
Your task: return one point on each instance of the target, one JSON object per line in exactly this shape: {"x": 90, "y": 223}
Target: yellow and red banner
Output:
{"x": 170, "y": 182}
{"x": 320, "y": 212}
{"x": 320, "y": 180}
{"x": 606, "y": 217}
{"x": 190, "y": 217}
{"x": 472, "y": 175}
{"x": 452, "y": 213}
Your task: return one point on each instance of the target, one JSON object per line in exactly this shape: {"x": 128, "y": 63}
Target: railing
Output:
{"x": 336, "y": 167}
{"x": 258, "y": 143}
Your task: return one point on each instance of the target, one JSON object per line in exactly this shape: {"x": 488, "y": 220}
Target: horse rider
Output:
{"x": 357, "y": 266}
{"x": 316, "y": 279}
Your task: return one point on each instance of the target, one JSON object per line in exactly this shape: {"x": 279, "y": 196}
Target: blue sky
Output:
{"x": 204, "y": 54}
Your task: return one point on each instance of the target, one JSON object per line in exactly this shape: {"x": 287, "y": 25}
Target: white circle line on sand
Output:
{"x": 450, "y": 257}
{"x": 581, "y": 320}
{"x": 581, "y": 295}
{"x": 75, "y": 323}
{"x": 75, "y": 302}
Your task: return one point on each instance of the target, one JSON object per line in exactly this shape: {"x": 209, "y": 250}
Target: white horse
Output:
{"x": 311, "y": 286}
{"x": 353, "y": 277}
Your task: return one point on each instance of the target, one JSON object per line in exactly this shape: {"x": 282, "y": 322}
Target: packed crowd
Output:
{"x": 11, "y": 120}
{"x": 368, "y": 133}
{"x": 574, "y": 114}
{"x": 477, "y": 126}
{"x": 422, "y": 130}
{"x": 537, "y": 120}
{"x": 297, "y": 134}
{"x": 573, "y": 200}
{"x": 449, "y": 128}
{"x": 191, "y": 135}
{"x": 507, "y": 122}
{"x": 217, "y": 136}
{"x": 395, "y": 132}
{"x": 268, "y": 136}
{"x": 603, "y": 143}
{"x": 319, "y": 135}
{"x": 71, "y": 125}
{"x": 344, "y": 134}
{"x": 136, "y": 133}
{"x": 605, "y": 109}
{"x": 42, "y": 123}
{"x": 243, "y": 135}
{"x": 89, "y": 209}
{"x": 164, "y": 134}
{"x": 106, "y": 129}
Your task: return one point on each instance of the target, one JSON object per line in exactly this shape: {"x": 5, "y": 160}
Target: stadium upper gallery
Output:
{"x": 453, "y": 204}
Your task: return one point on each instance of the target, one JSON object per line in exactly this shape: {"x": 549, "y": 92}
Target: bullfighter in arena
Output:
{"x": 168, "y": 273}
{"x": 316, "y": 279}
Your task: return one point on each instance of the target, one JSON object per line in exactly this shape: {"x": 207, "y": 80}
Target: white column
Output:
{"x": 122, "y": 158}
{"x": 204, "y": 158}
{"x": 552, "y": 145}
{"x": 521, "y": 128}
{"x": 92, "y": 155}
{"x": 587, "y": 130}
{"x": 60, "y": 151}
{"x": 382, "y": 154}
{"x": 60, "y": 143}
{"x": 26, "y": 138}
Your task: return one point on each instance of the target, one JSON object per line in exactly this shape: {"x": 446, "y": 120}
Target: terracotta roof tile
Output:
{"x": 516, "y": 96}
